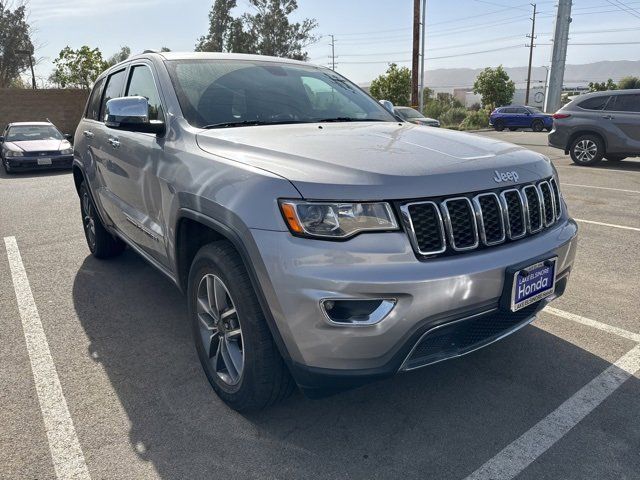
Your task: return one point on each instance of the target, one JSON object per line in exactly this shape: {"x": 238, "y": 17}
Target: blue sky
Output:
{"x": 369, "y": 33}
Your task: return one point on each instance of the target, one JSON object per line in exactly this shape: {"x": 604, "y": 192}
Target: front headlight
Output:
{"x": 13, "y": 153}
{"x": 337, "y": 220}
{"x": 66, "y": 151}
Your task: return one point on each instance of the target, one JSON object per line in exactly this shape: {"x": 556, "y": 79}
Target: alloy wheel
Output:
{"x": 220, "y": 331}
{"x": 585, "y": 150}
{"x": 88, "y": 219}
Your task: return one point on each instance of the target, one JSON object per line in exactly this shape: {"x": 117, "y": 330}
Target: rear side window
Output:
{"x": 93, "y": 107}
{"x": 112, "y": 90}
{"x": 141, "y": 84}
{"x": 594, "y": 103}
{"x": 521, "y": 111}
{"x": 625, "y": 103}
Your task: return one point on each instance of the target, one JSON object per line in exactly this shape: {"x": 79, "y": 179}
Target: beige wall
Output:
{"x": 63, "y": 107}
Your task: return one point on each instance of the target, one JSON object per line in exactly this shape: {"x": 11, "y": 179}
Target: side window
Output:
{"x": 93, "y": 106}
{"x": 625, "y": 103}
{"x": 595, "y": 103}
{"x": 522, "y": 111}
{"x": 509, "y": 110}
{"x": 112, "y": 90}
{"x": 141, "y": 84}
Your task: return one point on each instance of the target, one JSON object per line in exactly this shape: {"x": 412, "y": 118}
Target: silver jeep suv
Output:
{"x": 320, "y": 241}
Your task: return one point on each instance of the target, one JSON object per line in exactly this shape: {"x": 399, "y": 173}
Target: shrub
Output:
{"x": 475, "y": 120}
{"x": 453, "y": 116}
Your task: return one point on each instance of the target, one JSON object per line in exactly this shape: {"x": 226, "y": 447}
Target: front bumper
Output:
{"x": 31, "y": 163}
{"x": 300, "y": 273}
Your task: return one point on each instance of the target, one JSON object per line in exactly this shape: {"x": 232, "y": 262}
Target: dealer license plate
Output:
{"x": 533, "y": 283}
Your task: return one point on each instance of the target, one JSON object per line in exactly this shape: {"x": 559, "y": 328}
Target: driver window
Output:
{"x": 141, "y": 84}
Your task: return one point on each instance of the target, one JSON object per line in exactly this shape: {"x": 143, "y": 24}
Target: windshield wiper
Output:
{"x": 349, "y": 119}
{"x": 248, "y": 123}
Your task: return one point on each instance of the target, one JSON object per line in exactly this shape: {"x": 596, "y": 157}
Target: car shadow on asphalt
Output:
{"x": 441, "y": 422}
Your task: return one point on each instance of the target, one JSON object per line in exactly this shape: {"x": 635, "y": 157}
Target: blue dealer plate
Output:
{"x": 533, "y": 283}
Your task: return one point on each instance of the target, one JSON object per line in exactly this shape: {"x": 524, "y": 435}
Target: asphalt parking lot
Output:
{"x": 557, "y": 400}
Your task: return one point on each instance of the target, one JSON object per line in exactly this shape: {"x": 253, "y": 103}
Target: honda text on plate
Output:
{"x": 320, "y": 241}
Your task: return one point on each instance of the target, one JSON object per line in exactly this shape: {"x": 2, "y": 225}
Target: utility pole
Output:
{"x": 416, "y": 53}
{"x": 558, "y": 57}
{"x": 333, "y": 52}
{"x": 424, "y": 33}
{"x": 531, "y": 37}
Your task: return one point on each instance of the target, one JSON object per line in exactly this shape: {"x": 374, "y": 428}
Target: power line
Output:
{"x": 625, "y": 8}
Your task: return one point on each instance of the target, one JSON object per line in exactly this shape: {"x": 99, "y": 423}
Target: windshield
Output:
{"x": 222, "y": 93}
{"x": 407, "y": 113}
{"x": 25, "y": 133}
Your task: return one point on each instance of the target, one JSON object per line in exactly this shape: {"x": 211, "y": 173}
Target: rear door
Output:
{"x": 104, "y": 153}
{"x": 522, "y": 117}
{"x": 623, "y": 111}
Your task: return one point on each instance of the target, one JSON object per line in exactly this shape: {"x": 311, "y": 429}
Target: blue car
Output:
{"x": 514, "y": 117}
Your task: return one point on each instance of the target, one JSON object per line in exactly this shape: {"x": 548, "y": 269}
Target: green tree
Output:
{"x": 602, "y": 86}
{"x": 627, "y": 83}
{"x": 15, "y": 41}
{"x": 77, "y": 68}
{"x": 494, "y": 86}
{"x": 121, "y": 56}
{"x": 268, "y": 31}
{"x": 394, "y": 85}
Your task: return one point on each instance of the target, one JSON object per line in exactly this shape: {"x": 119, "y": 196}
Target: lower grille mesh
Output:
{"x": 457, "y": 338}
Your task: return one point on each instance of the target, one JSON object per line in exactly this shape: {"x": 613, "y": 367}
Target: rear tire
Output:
{"x": 587, "y": 150}
{"x": 537, "y": 126}
{"x": 101, "y": 243}
{"x": 614, "y": 158}
{"x": 233, "y": 341}
{"x": 498, "y": 125}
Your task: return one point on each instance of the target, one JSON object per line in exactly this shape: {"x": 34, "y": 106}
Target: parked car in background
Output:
{"x": 599, "y": 125}
{"x": 514, "y": 117}
{"x": 414, "y": 116}
{"x": 319, "y": 241}
{"x": 34, "y": 145}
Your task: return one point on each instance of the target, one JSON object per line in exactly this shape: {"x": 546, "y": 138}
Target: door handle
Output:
{"x": 115, "y": 143}
{"x": 88, "y": 134}
{"x": 608, "y": 117}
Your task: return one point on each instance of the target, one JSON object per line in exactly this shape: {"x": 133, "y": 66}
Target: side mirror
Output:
{"x": 1, "y": 139}
{"x": 388, "y": 105}
{"x": 68, "y": 136}
{"x": 131, "y": 114}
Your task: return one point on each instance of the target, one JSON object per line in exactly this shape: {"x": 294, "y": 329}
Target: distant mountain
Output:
{"x": 574, "y": 75}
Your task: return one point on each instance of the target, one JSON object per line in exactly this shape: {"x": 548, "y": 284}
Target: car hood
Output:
{"x": 39, "y": 145}
{"x": 371, "y": 161}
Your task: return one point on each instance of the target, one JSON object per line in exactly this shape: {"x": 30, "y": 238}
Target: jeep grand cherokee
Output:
{"x": 320, "y": 241}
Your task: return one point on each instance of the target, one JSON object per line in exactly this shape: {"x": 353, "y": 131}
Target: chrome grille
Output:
{"x": 462, "y": 223}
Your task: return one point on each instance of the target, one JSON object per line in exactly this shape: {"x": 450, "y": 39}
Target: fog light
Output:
{"x": 357, "y": 312}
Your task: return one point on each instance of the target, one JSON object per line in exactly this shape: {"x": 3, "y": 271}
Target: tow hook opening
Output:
{"x": 349, "y": 312}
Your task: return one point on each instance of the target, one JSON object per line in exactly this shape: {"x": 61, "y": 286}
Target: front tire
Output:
{"x": 233, "y": 341}
{"x": 587, "y": 150}
{"x": 100, "y": 242}
{"x": 498, "y": 125}
{"x": 7, "y": 168}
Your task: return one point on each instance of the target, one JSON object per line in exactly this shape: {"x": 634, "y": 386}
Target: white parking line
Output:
{"x": 599, "y": 188}
{"x": 517, "y": 456}
{"x": 624, "y": 227}
{"x": 66, "y": 453}
{"x": 577, "y": 168}
{"x": 594, "y": 324}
